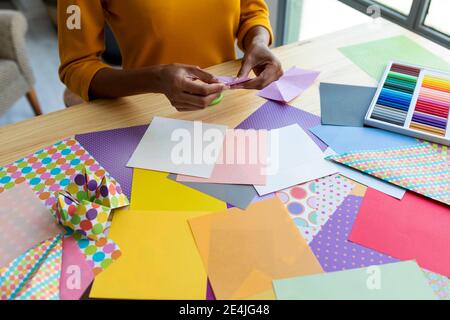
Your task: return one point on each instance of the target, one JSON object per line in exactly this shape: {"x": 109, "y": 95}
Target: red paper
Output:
{"x": 413, "y": 228}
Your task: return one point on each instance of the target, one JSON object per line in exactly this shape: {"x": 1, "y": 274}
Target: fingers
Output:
{"x": 266, "y": 77}
{"x": 190, "y": 102}
{"x": 246, "y": 67}
{"x": 201, "y": 88}
{"x": 203, "y": 75}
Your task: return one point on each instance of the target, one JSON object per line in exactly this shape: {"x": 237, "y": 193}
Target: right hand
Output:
{"x": 189, "y": 88}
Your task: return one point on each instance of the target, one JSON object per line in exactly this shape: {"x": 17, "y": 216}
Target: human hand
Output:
{"x": 189, "y": 88}
{"x": 264, "y": 64}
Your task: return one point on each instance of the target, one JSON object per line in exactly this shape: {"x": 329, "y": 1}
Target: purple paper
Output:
{"x": 112, "y": 149}
{"x": 334, "y": 251}
{"x": 209, "y": 292}
{"x": 290, "y": 85}
{"x": 274, "y": 115}
{"x": 232, "y": 81}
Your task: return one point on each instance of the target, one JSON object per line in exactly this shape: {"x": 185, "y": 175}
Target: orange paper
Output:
{"x": 243, "y": 251}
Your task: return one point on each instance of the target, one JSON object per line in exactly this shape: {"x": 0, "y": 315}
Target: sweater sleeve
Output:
{"x": 253, "y": 13}
{"x": 80, "y": 49}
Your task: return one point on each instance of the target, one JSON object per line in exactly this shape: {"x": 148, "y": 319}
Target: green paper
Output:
{"x": 373, "y": 57}
{"x": 395, "y": 281}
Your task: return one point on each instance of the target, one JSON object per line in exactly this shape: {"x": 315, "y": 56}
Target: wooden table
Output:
{"x": 26, "y": 137}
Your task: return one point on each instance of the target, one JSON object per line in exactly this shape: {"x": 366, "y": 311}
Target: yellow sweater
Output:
{"x": 149, "y": 32}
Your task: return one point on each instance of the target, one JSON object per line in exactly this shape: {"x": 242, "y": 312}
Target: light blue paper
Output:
{"x": 347, "y": 139}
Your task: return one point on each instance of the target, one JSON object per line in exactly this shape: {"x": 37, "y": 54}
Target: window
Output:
{"x": 402, "y": 6}
{"x": 438, "y": 17}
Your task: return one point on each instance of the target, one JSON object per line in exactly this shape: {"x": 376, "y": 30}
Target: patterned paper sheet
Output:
{"x": 418, "y": 168}
{"x": 51, "y": 170}
{"x": 311, "y": 204}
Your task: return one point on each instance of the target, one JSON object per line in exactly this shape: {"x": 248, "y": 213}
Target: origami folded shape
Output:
{"x": 232, "y": 81}
{"x": 87, "y": 203}
{"x": 290, "y": 85}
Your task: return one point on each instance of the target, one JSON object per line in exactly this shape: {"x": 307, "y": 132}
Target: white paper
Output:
{"x": 367, "y": 180}
{"x": 298, "y": 159}
{"x": 179, "y": 146}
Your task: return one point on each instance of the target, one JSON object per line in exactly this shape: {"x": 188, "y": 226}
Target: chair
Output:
{"x": 16, "y": 76}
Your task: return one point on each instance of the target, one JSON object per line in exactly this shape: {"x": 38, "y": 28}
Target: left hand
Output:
{"x": 264, "y": 64}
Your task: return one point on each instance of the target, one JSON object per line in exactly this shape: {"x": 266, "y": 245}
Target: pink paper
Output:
{"x": 242, "y": 159}
{"x": 76, "y": 275}
{"x": 290, "y": 85}
{"x": 231, "y": 81}
{"x": 414, "y": 228}
{"x": 24, "y": 222}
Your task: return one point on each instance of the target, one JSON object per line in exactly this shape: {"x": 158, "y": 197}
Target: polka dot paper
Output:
{"x": 334, "y": 251}
{"x": 439, "y": 283}
{"x": 52, "y": 170}
{"x": 311, "y": 204}
{"x": 20, "y": 270}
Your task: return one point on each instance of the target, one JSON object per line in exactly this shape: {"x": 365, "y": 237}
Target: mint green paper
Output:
{"x": 374, "y": 56}
{"x": 397, "y": 281}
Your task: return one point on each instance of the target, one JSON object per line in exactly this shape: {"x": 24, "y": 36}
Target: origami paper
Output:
{"x": 15, "y": 276}
{"x": 394, "y": 281}
{"x": 49, "y": 171}
{"x": 24, "y": 222}
{"x": 344, "y": 105}
{"x": 288, "y": 166}
{"x": 290, "y": 85}
{"x": 179, "y": 146}
{"x": 237, "y": 195}
{"x": 274, "y": 115}
{"x": 243, "y": 251}
{"x": 242, "y": 159}
{"x": 418, "y": 168}
{"x": 374, "y": 56}
{"x": 334, "y": 251}
{"x": 439, "y": 284}
{"x": 112, "y": 149}
{"x": 346, "y": 139}
{"x": 44, "y": 283}
{"x": 76, "y": 273}
{"x": 414, "y": 228}
{"x": 160, "y": 260}
{"x": 152, "y": 191}
{"x": 232, "y": 81}
{"x": 311, "y": 204}
{"x": 369, "y": 181}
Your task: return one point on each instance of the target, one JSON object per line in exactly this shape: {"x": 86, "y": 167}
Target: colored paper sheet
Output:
{"x": 112, "y": 149}
{"x": 76, "y": 274}
{"x": 236, "y": 195}
{"x": 369, "y": 181}
{"x": 51, "y": 170}
{"x": 394, "y": 281}
{"x": 179, "y": 146}
{"x": 24, "y": 222}
{"x": 344, "y": 105}
{"x": 242, "y": 159}
{"x": 414, "y": 228}
{"x": 288, "y": 165}
{"x": 374, "y": 56}
{"x": 44, "y": 283}
{"x": 346, "y": 139}
{"x": 243, "y": 251}
{"x": 418, "y": 168}
{"x": 294, "y": 82}
{"x": 14, "y": 277}
{"x": 334, "y": 251}
{"x": 160, "y": 259}
{"x": 439, "y": 284}
{"x": 153, "y": 191}
{"x": 311, "y": 204}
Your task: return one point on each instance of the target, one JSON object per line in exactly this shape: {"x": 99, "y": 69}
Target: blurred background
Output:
{"x": 292, "y": 20}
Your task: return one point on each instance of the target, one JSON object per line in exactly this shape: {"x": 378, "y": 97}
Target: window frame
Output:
{"x": 415, "y": 21}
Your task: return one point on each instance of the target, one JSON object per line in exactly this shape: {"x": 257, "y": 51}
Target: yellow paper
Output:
{"x": 243, "y": 251}
{"x": 159, "y": 258}
{"x": 152, "y": 190}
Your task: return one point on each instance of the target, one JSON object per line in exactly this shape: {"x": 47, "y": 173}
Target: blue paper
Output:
{"x": 347, "y": 139}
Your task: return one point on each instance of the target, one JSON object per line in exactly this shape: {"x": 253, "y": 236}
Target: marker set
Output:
{"x": 414, "y": 101}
